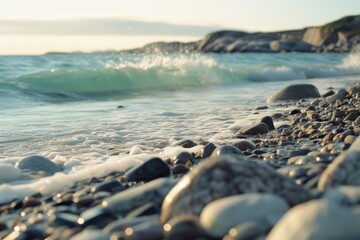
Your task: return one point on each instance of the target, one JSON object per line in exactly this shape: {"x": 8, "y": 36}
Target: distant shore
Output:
{"x": 342, "y": 35}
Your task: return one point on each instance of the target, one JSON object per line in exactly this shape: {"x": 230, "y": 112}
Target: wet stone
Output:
{"x": 185, "y": 158}
{"x": 295, "y": 92}
{"x": 299, "y": 152}
{"x": 254, "y": 129}
{"x": 32, "y": 233}
{"x": 245, "y": 144}
{"x": 38, "y": 163}
{"x": 146, "y": 209}
{"x": 206, "y": 150}
{"x": 269, "y": 122}
{"x": 83, "y": 200}
{"x": 185, "y": 143}
{"x": 123, "y": 223}
{"x": 180, "y": 169}
{"x": 328, "y": 94}
{"x": 153, "y": 191}
{"x": 149, "y": 170}
{"x": 112, "y": 186}
{"x": 351, "y": 116}
{"x": 226, "y": 150}
{"x": 31, "y": 202}
{"x": 64, "y": 219}
{"x": 95, "y": 216}
{"x": 294, "y": 112}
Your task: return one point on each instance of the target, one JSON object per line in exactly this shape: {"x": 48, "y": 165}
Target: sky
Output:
{"x": 38, "y": 26}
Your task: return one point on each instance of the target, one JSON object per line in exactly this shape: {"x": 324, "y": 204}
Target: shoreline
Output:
{"x": 127, "y": 204}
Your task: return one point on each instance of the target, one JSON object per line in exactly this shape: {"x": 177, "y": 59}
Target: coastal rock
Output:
{"x": 295, "y": 92}
{"x": 226, "y": 176}
{"x": 290, "y": 45}
{"x": 38, "y": 163}
{"x": 226, "y": 150}
{"x": 316, "y": 220}
{"x": 149, "y": 170}
{"x": 342, "y": 171}
{"x": 220, "y": 215}
{"x": 206, "y": 151}
{"x": 185, "y": 158}
{"x": 154, "y": 192}
{"x": 254, "y": 129}
{"x": 269, "y": 122}
{"x": 245, "y": 144}
{"x": 185, "y": 143}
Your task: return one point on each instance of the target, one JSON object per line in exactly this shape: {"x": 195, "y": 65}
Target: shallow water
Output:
{"x": 65, "y": 107}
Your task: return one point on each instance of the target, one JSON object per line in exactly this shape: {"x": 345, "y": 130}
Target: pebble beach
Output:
{"x": 286, "y": 175}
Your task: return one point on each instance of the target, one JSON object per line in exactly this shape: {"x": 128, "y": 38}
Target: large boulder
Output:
{"x": 295, "y": 92}
{"x": 224, "y": 176}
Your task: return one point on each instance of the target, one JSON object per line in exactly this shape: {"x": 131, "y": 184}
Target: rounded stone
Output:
{"x": 149, "y": 170}
{"x": 153, "y": 191}
{"x": 226, "y": 150}
{"x": 185, "y": 143}
{"x": 245, "y": 144}
{"x": 254, "y": 129}
{"x": 219, "y": 216}
{"x": 342, "y": 171}
{"x": 269, "y": 122}
{"x": 38, "y": 163}
{"x": 226, "y": 176}
{"x": 206, "y": 150}
{"x": 295, "y": 92}
{"x": 316, "y": 220}
{"x": 183, "y": 158}
{"x": 180, "y": 169}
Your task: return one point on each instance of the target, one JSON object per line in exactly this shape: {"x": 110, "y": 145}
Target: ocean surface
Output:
{"x": 91, "y": 113}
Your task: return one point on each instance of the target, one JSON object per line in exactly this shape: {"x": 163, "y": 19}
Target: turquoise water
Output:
{"x": 65, "y": 106}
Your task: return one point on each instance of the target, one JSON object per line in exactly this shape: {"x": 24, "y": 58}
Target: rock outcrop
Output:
{"x": 342, "y": 35}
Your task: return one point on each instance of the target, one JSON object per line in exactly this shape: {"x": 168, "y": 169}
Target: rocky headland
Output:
{"x": 342, "y": 35}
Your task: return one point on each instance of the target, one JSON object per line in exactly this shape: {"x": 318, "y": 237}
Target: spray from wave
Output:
{"x": 125, "y": 75}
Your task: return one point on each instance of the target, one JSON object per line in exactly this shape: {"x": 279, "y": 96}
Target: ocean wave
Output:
{"x": 148, "y": 73}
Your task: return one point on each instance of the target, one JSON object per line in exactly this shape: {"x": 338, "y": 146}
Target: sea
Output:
{"x": 96, "y": 113}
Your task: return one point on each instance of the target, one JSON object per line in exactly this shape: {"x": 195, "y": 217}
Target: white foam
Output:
{"x": 62, "y": 181}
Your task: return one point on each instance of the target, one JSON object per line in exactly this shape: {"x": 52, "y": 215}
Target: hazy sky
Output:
{"x": 157, "y": 19}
